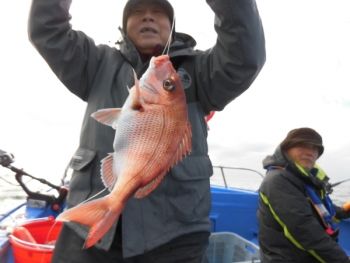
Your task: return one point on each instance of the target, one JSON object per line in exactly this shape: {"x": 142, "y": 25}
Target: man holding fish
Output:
{"x": 157, "y": 169}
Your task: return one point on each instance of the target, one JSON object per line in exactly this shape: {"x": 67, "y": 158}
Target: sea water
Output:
{"x": 11, "y": 194}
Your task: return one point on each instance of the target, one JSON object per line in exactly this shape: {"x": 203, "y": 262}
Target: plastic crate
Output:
{"x": 227, "y": 247}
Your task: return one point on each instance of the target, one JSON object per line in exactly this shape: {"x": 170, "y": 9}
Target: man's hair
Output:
{"x": 300, "y": 136}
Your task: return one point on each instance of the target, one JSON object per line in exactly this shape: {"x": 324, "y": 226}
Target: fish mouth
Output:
{"x": 157, "y": 62}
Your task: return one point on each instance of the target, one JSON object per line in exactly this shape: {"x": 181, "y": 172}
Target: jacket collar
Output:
{"x": 315, "y": 177}
{"x": 183, "y": 45}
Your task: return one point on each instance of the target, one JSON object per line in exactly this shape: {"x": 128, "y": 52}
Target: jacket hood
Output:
{"x": 183, "y": 45}
{"x": 279, "y": 158}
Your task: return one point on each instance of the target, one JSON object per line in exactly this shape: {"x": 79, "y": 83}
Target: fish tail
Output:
{"x": 98, "y": 214}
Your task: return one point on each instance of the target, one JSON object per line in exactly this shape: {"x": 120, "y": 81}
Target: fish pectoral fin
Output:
{"x": 184, "y": 148}
{"x": 186, "y": 140}
{"x": 107, "y": 116}
{"x": 107, "y": 174}
{"x": 142, "y": 192}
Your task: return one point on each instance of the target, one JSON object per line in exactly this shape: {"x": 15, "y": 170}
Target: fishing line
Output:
{"x": 13, "y": 183}
{"x": 46, "y": 241}
{"x": 168, "y": 43}
{"x": 57, "y": 221}
{"x": 94, "y": 196}
{"x": 8, "y": 181}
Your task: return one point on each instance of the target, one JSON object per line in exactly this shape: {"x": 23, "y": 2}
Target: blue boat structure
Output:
{"x": 233, "y": 220}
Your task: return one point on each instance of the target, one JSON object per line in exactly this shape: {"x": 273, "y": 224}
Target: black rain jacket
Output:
{"x": 99, "y": 75}
{"x": 290, "y": 229}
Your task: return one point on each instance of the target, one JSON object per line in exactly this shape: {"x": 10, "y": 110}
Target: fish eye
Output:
{"x": 169, "y": 84}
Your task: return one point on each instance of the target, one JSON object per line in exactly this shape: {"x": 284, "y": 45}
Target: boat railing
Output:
{"x": 224, "y": 175}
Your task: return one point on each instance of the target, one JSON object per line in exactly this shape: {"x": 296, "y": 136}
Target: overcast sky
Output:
{"x": 305, "y": 83}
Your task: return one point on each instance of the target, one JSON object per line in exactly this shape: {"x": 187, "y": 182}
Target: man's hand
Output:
{"x": 343, "y": 212}
{"x": 346, "y": 207}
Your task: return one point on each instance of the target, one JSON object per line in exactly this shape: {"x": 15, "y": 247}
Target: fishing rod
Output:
{"x": 329, "y": 186}
{"x": 6, "y": 160}
{"x": 338, "y": 183}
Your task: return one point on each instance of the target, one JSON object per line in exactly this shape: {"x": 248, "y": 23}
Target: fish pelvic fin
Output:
{"x": 184, "y": 149}
{"x": 97, "y": 214}
{"x": 107, "y": 116}
{"x": 108, "y": 176}
{"x": 134, "y": 94}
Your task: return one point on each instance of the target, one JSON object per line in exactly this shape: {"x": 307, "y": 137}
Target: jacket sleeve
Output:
{"x": 292, "y": 210}
{"x": 71, "y": 55}
{"x": 228, "y": 69}
{"x": 340, "y": 213}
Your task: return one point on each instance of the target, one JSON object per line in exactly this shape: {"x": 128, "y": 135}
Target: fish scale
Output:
{"x": 140, "y": 139}
{"x": 152, "y": 134}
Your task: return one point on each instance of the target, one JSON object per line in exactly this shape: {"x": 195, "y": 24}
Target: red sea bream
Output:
{"x": 152, "y": 134}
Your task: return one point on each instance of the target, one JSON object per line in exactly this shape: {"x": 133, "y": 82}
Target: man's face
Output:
{"x": 147, "y": 26}
{"x": 304, "y": 154}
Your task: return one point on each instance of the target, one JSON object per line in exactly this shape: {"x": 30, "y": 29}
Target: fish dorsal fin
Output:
{"x": 184, "y": 149}
{"x": 142, "y": 192}
{"x": 107, "y": 116}
{"x": 134, "y": 94}
{"x": 107, "y": 175}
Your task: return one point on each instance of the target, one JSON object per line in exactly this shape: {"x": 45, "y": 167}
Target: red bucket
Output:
{"x": 31, "y": 242}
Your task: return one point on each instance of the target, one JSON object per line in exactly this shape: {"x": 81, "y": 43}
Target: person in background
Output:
{"x": 296, "y": 216}
{"x": 172, "y": 223}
